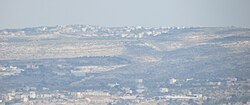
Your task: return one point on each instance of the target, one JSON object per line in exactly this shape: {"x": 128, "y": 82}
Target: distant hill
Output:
{"x": 153, "y": 54}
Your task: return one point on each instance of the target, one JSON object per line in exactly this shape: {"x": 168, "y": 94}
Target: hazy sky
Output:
{"x": 149, "y": 13}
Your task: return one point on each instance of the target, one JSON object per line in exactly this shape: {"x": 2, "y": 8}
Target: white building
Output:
{"x": 172, "y": 81}
{"x": 32, "y": 94}
{"x": 164, "y": 90}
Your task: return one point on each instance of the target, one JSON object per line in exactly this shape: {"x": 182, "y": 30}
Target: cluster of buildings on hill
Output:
{"x": 93, "y": 31}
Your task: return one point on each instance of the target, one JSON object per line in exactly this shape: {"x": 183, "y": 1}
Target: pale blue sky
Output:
{"x": 149, "y": 13}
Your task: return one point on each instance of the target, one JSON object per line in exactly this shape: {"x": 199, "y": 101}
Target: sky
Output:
{"x": 113, "y": 13}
